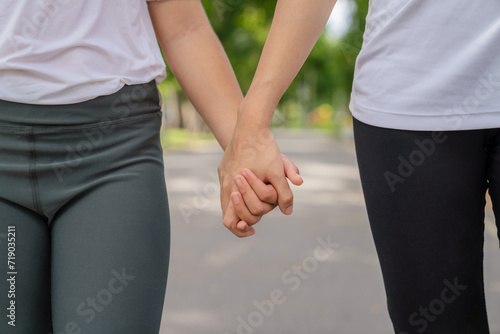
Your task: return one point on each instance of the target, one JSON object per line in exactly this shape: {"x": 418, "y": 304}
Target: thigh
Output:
{"x": 110, "y": 252}
{"x": 110, "y": 248}
{"x": 25, "y": 280}
{"x": 424, "y": 193}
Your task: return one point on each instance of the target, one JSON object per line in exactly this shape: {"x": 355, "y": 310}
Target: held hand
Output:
{"x": 256, "y": 197}
{"x": 253, "y": 199}
{"x": 258, "y": 151}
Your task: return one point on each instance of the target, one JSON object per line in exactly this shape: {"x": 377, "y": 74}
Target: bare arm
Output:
{"x": 200, "y": 64}
{"x": 198, "y": 61}
{"x": 296, "y": 26}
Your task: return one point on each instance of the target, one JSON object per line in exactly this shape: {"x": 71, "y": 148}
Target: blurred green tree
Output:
{"x": 326, "y": 77}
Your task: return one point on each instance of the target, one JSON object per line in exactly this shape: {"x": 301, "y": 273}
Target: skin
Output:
{"x": 252, "y": 171}
{"x": 200, "y": 64}
{"x": 296, "y": 26}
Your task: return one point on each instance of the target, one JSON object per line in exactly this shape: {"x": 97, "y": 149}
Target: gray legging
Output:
{"x": 84, "y": 219}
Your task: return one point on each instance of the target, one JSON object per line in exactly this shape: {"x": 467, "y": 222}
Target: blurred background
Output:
{"x": 315, "y": 271}
{"x": 319, "y": 96}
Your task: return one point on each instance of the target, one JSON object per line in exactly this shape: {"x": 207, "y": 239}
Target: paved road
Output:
{"x": 313, "y": 272}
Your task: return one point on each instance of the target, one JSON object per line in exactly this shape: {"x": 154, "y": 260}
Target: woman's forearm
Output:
{"x": 199, "y": 62}
{"x": 296, "y": 27}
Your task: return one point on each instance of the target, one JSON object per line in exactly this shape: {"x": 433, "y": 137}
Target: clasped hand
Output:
{"x": 252, "y": 175}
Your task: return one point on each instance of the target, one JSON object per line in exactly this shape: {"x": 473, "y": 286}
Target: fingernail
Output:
{"x": 289, "y": 210}
{"x": 236, "y": 198}
{"x": 244, "y": 173}
{"x": 237, "y": 181}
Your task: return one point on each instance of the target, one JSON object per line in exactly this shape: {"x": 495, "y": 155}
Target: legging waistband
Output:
{"x": 129, "y": 101}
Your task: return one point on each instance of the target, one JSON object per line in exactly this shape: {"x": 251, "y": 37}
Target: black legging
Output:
{"x": 425, "y": 197}
{"x": 83, "y": 216}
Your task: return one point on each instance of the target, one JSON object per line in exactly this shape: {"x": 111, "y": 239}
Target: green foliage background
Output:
{"x": 326, "y": 78}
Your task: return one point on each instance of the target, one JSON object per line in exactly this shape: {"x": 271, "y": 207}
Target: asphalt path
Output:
{"x": 315, "y": 271}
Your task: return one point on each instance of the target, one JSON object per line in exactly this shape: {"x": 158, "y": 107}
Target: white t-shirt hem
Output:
{"x": 435, "y": 122}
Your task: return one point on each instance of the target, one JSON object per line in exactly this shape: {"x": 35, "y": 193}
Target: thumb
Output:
{"x": 291, "y": 171}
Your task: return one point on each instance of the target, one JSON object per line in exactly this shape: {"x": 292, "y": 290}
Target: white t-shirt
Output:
{"x": 69, "y": 51}
{"x": 429, "y": 65}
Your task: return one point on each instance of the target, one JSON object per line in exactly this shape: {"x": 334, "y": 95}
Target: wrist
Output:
{"x": 254, "y": 115}
{"x": 254, "y": 137}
